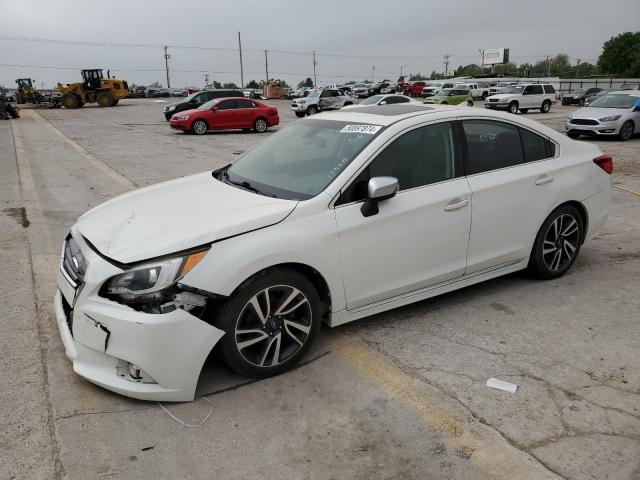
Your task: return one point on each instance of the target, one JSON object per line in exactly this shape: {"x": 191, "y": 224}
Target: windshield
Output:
{"x": 615, "y": 100}
{"x": 208, "y": 105}
{"x": 313, "y": 93}
{"x": 371, "y": 100}
{"x": 444, "y": 93}
{"x": 299, "y": 161}
{"x": 359, "y": 85}
{"x": 517, "y": 89}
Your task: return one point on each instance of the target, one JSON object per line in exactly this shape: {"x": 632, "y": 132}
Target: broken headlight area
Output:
{"x": 154, "y": 287}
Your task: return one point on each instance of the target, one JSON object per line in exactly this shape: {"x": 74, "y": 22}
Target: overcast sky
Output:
{"x": 384, "y": 34}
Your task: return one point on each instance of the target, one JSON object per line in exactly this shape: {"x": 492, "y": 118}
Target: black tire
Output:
{"x": 484, "y": 96}
{"x": 260, "y": 125}
{"x": 551, "y": 257}
{"x": 300, "y": 114}
{"x": 626, "y": 131}
{"x": 104, "y": 99}
{"x": 581, "y": 102}
{"x": 237, "y": 313}
{"x": 312, "y": 110}
{"x": 115, "y": 102}
{"x": 513, "y": 107}
{"x": 573, "y": 135}
{"x": 524, "y": 110}
{"x": 70, "y": 101}
{"x": 199, "y": 127}
{"x": 470, "y": 103}
{"x": 546, "y": 106}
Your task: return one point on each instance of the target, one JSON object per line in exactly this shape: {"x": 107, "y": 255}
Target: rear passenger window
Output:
{"x": 534, "y": 146}
{"x": 549, "y": 89}
{"x": 227, "y": 105}
{"x": 491, "y": 145}
{"x": 244, "y": 104}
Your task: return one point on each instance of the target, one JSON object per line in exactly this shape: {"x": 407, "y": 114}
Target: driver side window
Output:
{"x": 420, "y": 157}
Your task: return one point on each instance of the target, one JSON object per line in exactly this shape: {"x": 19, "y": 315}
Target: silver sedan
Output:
{"x": 613, "y": 114}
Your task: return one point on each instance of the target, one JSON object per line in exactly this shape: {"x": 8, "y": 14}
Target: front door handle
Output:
{"x": 456, "y": 206}
{"x": 544, "y": 179}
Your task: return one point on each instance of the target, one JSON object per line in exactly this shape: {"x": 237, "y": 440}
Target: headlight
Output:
{"x": 172, "y": 108}
{"x": 613, "y": 118}
{"x": 570, "y": 116}
{"x": 145, "y": 281}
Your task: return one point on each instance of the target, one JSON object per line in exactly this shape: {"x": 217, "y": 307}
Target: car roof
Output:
{"x": 625, "y": 92}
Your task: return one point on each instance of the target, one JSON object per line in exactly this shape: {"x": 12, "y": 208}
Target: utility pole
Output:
{"x": 373, "y": 72}
{"x": 446, "y": 64}
{"x": 315, "y": 83}
{"x": 266, "y": 66}
{"x": 547, "y": 63}
{"x": 166, "y": 65}
{"x": 481, "y": 50}
{"x": 241, "y": 69}
{"x": 206, "y": 79}
{"x": 578, "y": 69}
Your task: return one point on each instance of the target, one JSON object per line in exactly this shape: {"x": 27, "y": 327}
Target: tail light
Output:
{"x": 605, "y": 162}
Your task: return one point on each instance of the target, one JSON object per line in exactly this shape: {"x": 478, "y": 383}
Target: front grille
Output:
{"x": 493, "y": 100}
{"x": 73, "y": 263}
{"x": 583, "y": 121}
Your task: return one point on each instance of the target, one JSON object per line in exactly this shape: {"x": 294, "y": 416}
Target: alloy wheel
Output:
{"x": 561, "y": 242}
{"x": 273, "y": 325}
{"x": 626, "y": 131}
{"x": 261, "y": 126}
{"x": 199, "y": 127}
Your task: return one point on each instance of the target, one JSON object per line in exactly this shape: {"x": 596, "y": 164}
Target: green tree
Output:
{"x": 621, "y": 55}
{"x": 217, "y": 84}
{"x": 417, "y": 76}
{"x": 306, "y": 83}
{"x": 253, "y": 84}
{"x": 229, "y": 85}
{"x": 155, "y": 85}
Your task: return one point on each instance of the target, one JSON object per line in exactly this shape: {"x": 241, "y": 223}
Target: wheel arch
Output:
{"x": 582, "y": 210}
{"x": 312, "y": 274}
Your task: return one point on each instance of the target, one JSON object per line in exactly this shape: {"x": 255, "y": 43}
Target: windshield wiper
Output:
{"x": 244, "y": 184}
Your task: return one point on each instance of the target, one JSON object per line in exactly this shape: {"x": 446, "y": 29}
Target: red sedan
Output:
{"x": 226, "y": 114}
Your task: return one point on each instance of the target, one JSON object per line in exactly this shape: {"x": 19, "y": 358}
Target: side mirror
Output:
{"x": 378, "y": 189}
{"x": 214, "y": 109}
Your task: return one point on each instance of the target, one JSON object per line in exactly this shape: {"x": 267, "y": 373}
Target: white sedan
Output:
{"x": 334, "y": 218}
{"x": 391, "y": 99}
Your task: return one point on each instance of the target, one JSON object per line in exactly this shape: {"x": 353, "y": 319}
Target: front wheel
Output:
{"x": 300, "y": 114}
{"x": 546, "y": 106}
{"x": 260, "y": 125}
{"x": 557, "y": 243}
{"x": 105, "y": 99}
{"x": 269, "y": 323}
{"x": 312, "y": 110}
{"x": 626, "y": 131}
{"x": 199, "y": 127}
{"x": 70, "y": 100}
{"x": 513, "y": 107}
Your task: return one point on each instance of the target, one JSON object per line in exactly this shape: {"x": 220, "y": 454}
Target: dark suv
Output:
{"x": 196, "y": 99}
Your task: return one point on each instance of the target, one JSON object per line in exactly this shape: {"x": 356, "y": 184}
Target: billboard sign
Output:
{"x": 495, "y": 56}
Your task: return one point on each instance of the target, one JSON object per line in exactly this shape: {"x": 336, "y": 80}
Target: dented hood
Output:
{"x": 177, "y": 215}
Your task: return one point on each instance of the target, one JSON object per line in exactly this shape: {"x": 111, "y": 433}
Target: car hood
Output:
{"x": 595, "y": 112}
{"x": 501, "y": 96}
{"x": 177, "y": 215}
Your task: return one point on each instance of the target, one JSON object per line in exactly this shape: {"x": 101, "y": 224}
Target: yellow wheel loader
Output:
{"x": 95, "y": 88}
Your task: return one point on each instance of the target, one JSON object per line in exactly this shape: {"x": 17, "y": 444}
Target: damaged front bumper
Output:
{"x": 140, "y": 355}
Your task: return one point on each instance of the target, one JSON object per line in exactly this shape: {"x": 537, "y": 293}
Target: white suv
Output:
{"x": 523, "y": 97}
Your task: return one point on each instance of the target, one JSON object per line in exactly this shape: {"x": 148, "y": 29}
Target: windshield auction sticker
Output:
{"x": 368, "y": 129}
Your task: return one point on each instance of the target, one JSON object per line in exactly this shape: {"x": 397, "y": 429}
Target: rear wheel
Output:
{"x": 484, "y": 95}
{"x": 105, "y": 99}
{"x": 513, "y": 107}
{"x": 546, "y": 106}
{"x": 557, "y": 243}
{"x": 199, "y": 127}
{"x": 626, "y": 131}
{"x": 260, "y": 125}
{"x": 300, "y": 114}
{"x": 269, "y": 323}
{"x": 312, "y": 110}
{"x": 70, "y": 100}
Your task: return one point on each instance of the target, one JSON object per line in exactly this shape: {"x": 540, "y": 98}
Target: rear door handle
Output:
{"x": 543, "y": 180}
{"x": 456, "y": 206}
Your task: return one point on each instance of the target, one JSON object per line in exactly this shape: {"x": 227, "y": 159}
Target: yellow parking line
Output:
{"x": 482, "y": 445}
{"x": 625, "y": 189}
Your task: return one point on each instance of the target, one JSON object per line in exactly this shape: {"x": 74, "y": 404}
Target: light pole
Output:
{"x": 401, "y": 68}
{"x": 373, "y": 72}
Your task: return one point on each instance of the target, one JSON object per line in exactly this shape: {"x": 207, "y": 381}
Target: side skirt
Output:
{"x": 346, "y": 316}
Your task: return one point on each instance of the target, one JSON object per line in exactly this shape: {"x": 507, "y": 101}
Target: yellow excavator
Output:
{"x": 94, "y": 88}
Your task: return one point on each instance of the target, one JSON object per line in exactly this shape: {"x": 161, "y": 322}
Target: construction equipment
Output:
{"x": 95, "y": 88}
{"x": 26, "y": 93}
